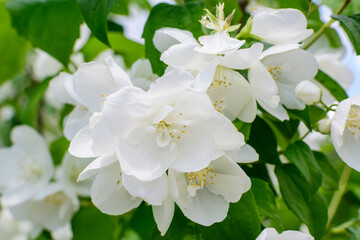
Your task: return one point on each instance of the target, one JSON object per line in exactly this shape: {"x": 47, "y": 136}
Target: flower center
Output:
{"x": 169, "y": 130}
{"x": 200, "y": 179}
{"x": 55, "y": 199}
{"x": 219, "y": 104}
{"x": 220, "y": 79}
{"x": 30, "y": 169}
{"x": 275, "y": 72}
{"x": 353, "y": 121}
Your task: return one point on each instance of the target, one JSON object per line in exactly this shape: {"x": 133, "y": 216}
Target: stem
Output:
{"x": 335, "y": 201}
{"x": 302, "y": 138}
{"x": 326, "y": 25}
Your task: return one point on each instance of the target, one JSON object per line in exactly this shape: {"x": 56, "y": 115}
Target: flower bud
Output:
{"x": 308, "y": 93}
{"x": 323, "y": 126}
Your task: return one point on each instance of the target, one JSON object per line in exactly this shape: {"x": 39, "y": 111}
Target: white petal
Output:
{"x": 279, "y": 48}
{"x": 218, "y": 43}
{"x": 109, "y": 195}
{"x": 153, "y": 192}
{"x": 76, "y": 120}
{"x": 205, "y": 77}
{"x": 294, "y": 235}
{"x": 80, "y": 146}
{"x": 279, "y": 112}
{"x": 95, "y": 166}
{"x": 246, "y": 154}
{"x": 167, "y": 37}
{"x": 120, "y": 77}
{"x": 93, "y": 81}
{"x": 163, "y": 215}
{"x": 104, "y": 141}
{"x": 278, "y": 26}
{"x": 268, "y": 234}
{"x": 146, "y": 160}
{"x": 58, "y": 91}
{"x": 184, "y": 56}
{"x": 201, "y": 210}
{"x": 230, "y": 180}
{"x": 176, "y": 79}
{"x": 243, "y": 58}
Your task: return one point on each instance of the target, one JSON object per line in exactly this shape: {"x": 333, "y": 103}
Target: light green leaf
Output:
{"x": 313, "y": 211}
{"x": 302, "y": 157}
{"x": 95, "y": 14}
{"x": 330, "y": 84}
{"x": 185, "y": 16}
{"x": 52, "y": 25}
{"x": 130, "y": 50}
{"x": 351, "y": 25}
{"x": 13, "y": 49}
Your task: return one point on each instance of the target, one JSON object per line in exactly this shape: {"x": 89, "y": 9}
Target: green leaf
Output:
{"x": 121, "y": 7}
{"x": 58, "y": 148}
{"x": 352, "y": 8}
{"x": 50, "y": 25}
{"x": 242, "y": 222}
{"x": 185, "y": 16}
{"x": 330, "y": 178}
{"x": 35, "y": 94}
{"x": 263, "y": 140}
{"x": 265, "y": 199}
{"x": 351, "y": 25}
{"x": 95, "y": 13}
{"x": 354, "y": 233}
{"x": 13, "y": 49}
{"x": 130, "y": 50}
{"x": 313, "y": 211}
{"x": 302, "y": 115}
{"x": 302, "y": 5}
{"x": 330, "y": 84}
{"x": 90, "y": 223}
{"x": 302, "y": 157}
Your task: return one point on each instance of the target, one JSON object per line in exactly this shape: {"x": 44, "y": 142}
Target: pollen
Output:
{"x": 275, "y": 72}
{"x": 353, "y": 121}
{"x": 200, "y": 179}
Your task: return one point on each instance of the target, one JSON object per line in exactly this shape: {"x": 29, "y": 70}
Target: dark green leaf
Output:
{"x": 30, "y": 114}
{"x": 242, "y": 222}
{"x": 351, "y": 25}
{"x": 185, "y": 16}
{"x": 95, "y": 13}
{"x": 143, "y": 221}
{"x": 243, "y": 127}
{"x": 313, "y": 211}
{"x": 265, "y": 199}
{"x": 330, "y": 178}
{"x": 90, "y": 223}
{"x": 302, "y": 5}
{"x": 263, "y": 140}
{"x": 58, "y": 148}
{"x": 330, "y": 84}
{"x": 302, "y": 157}
{"x": 316, "y": 114}
{"x": 13, "y": 49}
{"x": 302, "y": 115}
{"x": 50, "y": 25}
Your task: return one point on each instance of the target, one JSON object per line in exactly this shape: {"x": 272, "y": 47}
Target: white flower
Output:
{"x": 68, "y": 172}
{"x": 141, "y": 74}
{"x": 279, "y": 26}
{"x": 228, "y": 90}
{"x": 12, "y": 229}
{"x": 203, "y": 196}
{"x": 218, "y": 42}
{"x": 171, "y": 125}
{"x": 87, "y": 90}
{"x": 308, "y": 92}
{"x": 25, "y": 168}
{"x": 51, "y": 208}
{"x": 274, "y": 79}
{"x": 272, "y": 234}
{"x": 345, "y": 131}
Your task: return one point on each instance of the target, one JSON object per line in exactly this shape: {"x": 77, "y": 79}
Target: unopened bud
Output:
{"x": 308, "y": 92}
{"x": 323, "y": 126}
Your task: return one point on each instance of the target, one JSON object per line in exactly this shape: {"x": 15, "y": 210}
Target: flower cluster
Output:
{"x": 36, "y": 193}
{"x": 170, "y": 140}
